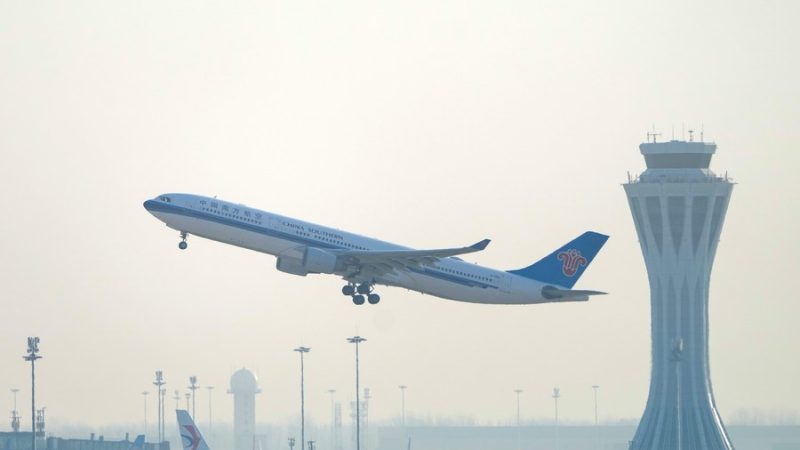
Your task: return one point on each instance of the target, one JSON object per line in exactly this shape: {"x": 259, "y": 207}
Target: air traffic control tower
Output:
{"x": 244, "y": 387}
{"x": 678, "y": 207}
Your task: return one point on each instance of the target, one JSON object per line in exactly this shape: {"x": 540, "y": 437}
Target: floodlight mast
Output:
{"x": 32, "y": 356}
{"x": 193, "y": 387}
{"x": 556, "y": 396}
{"x": 331, "y": 392}
{"x": 595, "y": 387}
{"x": 302, "y": 351}
{"x": 144, "y": 396}
{"x": 163, "y": 416}
{"x": 519, "y": 443}
{"x": 15, "y": 414}
{"x": 403, "y": 403}
{"x": 357, "y": 340}
{"x": 210, "y": 388}
{"x": 158, "y": 383}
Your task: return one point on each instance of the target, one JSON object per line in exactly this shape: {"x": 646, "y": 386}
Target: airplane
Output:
{"x": 138, "y": 443}
{"x": 190, "y": 435}
{"x": 304, "y": 248}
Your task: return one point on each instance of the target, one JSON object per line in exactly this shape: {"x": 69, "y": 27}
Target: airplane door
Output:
{"x": 275, "y": 224}
{"x": 505, "y": 283}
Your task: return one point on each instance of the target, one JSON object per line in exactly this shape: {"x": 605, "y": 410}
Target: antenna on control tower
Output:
{"x": 653, "y": 134}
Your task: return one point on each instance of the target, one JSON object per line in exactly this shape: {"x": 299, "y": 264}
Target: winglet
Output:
{"x": 480, "y": 245}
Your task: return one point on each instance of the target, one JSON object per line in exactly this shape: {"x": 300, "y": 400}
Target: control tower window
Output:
{"x": 653, "y": 206}
{"x": 699, "y": 212}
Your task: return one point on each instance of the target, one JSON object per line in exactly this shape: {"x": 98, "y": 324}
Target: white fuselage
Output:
{"x": 265, "y": 232}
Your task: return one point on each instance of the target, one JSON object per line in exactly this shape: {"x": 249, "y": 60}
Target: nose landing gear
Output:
{"x": 182, "y": 244}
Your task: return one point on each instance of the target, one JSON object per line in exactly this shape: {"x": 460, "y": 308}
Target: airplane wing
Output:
{"x": 381, "y": 262}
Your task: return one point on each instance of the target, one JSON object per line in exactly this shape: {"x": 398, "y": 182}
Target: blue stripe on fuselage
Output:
{"x": 175, "y": 209}
{"x": 451, "y": 278}
{"x": 152, "y": 205}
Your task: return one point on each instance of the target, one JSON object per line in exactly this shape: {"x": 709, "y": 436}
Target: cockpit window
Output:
{"x": 166, "y": 199}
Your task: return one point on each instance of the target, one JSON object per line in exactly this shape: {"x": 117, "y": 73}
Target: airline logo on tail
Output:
{"x": 572, "y": 260}
{"x": 190, "y": 435}
{"x": 191, "y": 439}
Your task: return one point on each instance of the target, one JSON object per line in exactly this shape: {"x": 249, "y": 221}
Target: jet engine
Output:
{"x": 306, "y": 260}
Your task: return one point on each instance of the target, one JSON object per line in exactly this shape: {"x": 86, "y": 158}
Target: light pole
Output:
{"x": 595, "y": 387}
{"x": 556, "y": 396}
{"x": 193, "y": 387}
{"x": 158, "y": 383}
{"x": 357, "y": 340}
{"x": 403, "y": 403}
{"x": 144, "y": 397}
{"x": 518, "y": 392}
{"x": 177, "y": 398}
{"x": 15, "y": 413}
{"x": 32, "y": 356}
{"x": 291, "y": 443}
{"x": 302, "y": 351}
{"x": 163, "y": 416}
{"x": 188, "y": 398}
{"x": 210, "y": 388}
{"x": 333, "y": 413}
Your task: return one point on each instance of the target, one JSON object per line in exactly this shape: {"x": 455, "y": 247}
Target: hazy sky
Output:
{"x": 424, "y": 123}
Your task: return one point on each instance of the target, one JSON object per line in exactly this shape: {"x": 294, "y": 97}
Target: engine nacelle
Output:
{"x": 319, "y": 261}
{"x": 304, "y": 261}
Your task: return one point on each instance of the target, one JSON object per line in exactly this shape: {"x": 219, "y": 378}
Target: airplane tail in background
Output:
{"x": 565, "y": 266}
{"x": 138, "y": 443}
{"x": 190, "y": 435}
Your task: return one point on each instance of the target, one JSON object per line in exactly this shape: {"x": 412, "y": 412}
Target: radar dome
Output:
{"x": 244, "y": 380}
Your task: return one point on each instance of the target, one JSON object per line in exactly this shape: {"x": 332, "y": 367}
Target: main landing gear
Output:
{"x": 182, "y": 244}
{"x": 360, "y": 293}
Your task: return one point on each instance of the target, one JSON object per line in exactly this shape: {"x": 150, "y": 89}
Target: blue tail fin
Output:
{"x": 564, "y": 266}
{"x": 138, "y": 443}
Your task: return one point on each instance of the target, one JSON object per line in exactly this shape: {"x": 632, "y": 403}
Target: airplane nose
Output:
{"x": 149, "y": 204}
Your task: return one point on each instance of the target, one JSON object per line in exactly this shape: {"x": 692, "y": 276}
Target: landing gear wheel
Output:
{"x": 182, "y": 244}
{"x": 373, "y": 299}
{"x": 364, "y": 288}
{"x": 349, "y": 290}
{"x": 358, "y": 299}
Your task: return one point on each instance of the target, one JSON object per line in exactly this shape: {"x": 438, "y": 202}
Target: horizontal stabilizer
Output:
{"x": 553, "y": 293}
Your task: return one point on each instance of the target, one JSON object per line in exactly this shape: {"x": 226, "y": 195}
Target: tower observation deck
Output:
{"x": 678, "y": 206}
